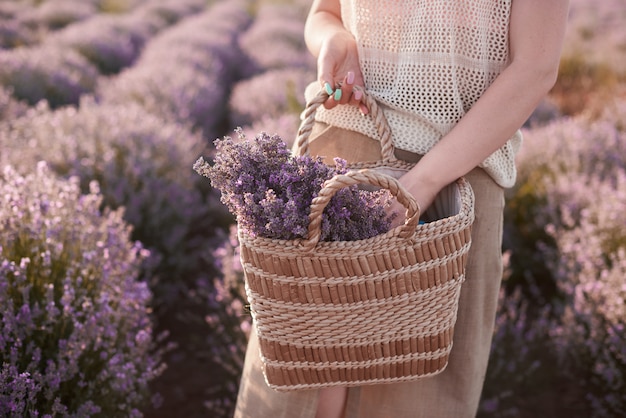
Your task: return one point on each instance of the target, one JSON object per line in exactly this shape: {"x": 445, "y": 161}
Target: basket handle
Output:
{"x": 365, "y": 176}
{"x": 375, "y": 112}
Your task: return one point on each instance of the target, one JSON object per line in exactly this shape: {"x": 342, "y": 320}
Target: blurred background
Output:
{"x": 121, "y": 292}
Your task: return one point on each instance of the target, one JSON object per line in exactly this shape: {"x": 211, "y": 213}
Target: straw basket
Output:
{"x": 351, "y": 313}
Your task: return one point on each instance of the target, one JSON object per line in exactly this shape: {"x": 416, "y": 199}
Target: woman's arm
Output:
{"x": 537, "y": 29}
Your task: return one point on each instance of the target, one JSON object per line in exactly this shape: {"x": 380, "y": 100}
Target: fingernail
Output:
{"x": 350, "y": 77}
{"x": 328, "y": 88}
{"x": 337, "y": 95}
{"x": 358, "y": 94}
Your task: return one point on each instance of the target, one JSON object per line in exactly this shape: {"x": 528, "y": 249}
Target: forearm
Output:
{"x": 494, "y": 118}
{"x": 322, "y": 23}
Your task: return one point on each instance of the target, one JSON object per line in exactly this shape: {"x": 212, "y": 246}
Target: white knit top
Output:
{"x": 427, "y": 62}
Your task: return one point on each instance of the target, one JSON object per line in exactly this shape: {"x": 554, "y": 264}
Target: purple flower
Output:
{"x": 270, "y": 191}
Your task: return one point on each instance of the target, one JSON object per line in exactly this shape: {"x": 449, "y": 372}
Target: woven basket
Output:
{"x": 352, "y": 313}
{"x": 373, "y": 311}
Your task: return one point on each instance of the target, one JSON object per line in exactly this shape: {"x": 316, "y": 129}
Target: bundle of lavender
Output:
{"x": 270, "y": 191}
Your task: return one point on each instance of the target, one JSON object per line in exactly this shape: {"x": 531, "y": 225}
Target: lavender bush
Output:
{"x": 13, "y": 34}
{"x": 141, "y": 163}
{"x": 228, "y": 324}
{"x": 171, "y": 11}
{"x": 55, "y": 14}
{"x": 275, "y": 39}
{"x": 109, "y": 42}
{"x": 591, "y": 239}
{"x": 571, "y": 197}
{"x": 271, "y": 94}
{"x": 56, "y": 74}
{"x": 9, "y": 107}
{"x": 270, "y": 192}
{"x": 286, "y": 126}
{"x": 76, "y": 336}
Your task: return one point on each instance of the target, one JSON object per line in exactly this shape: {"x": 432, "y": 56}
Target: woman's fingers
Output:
{"x": 357, "y": 100}
{"x": 344, "y": 93}
{"x": 346, "y": 89}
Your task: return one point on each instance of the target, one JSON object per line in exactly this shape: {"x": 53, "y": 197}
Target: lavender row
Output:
{"x": 142, "y": 164}
{"x": 586, "y": 218}
{"x": 142, "y": 160}
{"x": 112, "y": 42}
{"x": 69, "y": 63}
{"x": 28, "y": 22}
{"x": 184, "y": 74}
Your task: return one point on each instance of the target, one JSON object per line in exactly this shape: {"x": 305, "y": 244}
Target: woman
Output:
{"x": 456, "y": 80}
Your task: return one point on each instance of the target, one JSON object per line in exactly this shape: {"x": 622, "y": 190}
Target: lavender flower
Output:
{"x": 270, "y": 192}
{"x": 76, "y": 336}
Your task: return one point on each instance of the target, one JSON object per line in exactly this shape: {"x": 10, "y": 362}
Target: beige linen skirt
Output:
{"x": 454, "y": 393}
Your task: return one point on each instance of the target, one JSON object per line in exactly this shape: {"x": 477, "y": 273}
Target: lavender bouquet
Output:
{"x": 270, "y": 192}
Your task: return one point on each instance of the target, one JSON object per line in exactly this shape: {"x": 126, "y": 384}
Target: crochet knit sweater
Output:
{"x": 427, "y": 62}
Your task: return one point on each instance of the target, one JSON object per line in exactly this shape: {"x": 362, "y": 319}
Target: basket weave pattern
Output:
{"x": 350, "y": 313}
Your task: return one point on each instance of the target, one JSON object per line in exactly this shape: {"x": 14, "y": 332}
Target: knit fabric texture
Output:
{"x": 427, "y": 63}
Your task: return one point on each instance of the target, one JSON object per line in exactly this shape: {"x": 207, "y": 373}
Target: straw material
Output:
{"x": 351, "y": 313}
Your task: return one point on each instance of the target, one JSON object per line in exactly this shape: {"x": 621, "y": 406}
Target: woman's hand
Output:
{"x": 423, "y": 194}
{"x": 338, "y": 68}
{"x": 339, "y": 71}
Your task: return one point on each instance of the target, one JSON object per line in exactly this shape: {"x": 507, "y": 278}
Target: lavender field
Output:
{"x": 121, "y": 293}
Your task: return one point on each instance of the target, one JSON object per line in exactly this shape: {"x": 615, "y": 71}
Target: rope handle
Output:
{"x": 365, "y": 176}
{"x": 375, "y": 112}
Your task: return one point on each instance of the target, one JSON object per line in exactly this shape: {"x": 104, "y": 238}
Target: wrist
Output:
{"x": 424, "y": 185}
